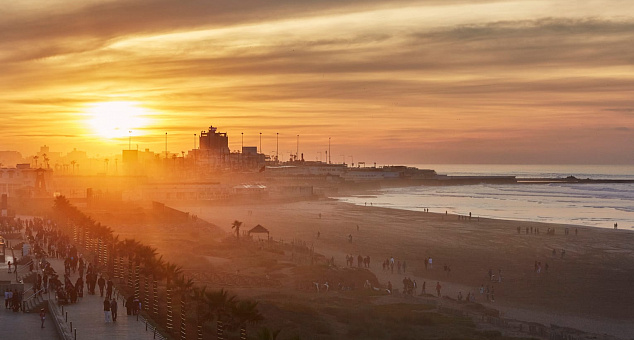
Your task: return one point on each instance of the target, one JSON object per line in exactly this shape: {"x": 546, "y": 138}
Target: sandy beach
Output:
{"x": 587, "y": 289}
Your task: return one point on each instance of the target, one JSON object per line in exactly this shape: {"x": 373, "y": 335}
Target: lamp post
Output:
{"x": 277, "y": 147}
{"x": 166, "y": 145}
{"x": 297, "y": 152}
{"x": 242, "y": 145}
{"x": 260, "y": 142}
{"x": 329, "y": 152}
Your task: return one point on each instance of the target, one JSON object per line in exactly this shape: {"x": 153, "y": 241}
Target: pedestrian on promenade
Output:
{"x": 42, "y": 316}
{"x": 113, "y": 309}
{"x": 438, "y": 287}
{"x": 101, "y": 282}
{"x": 9, "y": 263}
{"x": 128, "y": 304}
{"x": 109, "y": 289}
{"x": 7, "y": 298}
{"x": 106, "y": 311}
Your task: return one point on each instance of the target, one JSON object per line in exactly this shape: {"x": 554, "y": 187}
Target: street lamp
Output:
{"x": 329, "y": 152}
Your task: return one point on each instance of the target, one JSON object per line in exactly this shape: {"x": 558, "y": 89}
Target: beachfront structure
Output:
{"x": 320, "y": 170}
{"x": 24, "y": 181}
{"x": 214, "y": 149}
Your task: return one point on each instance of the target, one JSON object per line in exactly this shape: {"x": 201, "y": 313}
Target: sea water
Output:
{"x": 597, "y": 204}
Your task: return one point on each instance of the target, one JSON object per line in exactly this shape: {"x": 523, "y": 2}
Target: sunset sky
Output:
{"x": 412, "y": 82}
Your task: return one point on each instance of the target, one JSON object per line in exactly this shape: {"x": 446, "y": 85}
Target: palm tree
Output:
{"x": 203, "y": 313}
{"x": 268, "y": 334}
{"x": 184, "y": 287}
{"x": 219, "y": 303}
{"x": 236, "y": 225}
{"x": 146, "y": 258}
{"x": 35, "y": 158}
{"x": 128, "y": 249}
{"x": 158, "y": 273}
{"x": 243, "y": 313}
{"x": 73, "y": 164}
{"x": 171, "y": 271}
{"x": 117, "y": 255}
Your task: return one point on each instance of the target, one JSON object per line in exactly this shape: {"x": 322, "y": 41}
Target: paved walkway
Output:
{"x": 88, "y": 318}
{"x": 86, "y": 315}
{"x": 22, "y": 325}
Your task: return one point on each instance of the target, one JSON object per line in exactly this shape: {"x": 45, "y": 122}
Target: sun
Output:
{"x": 117, "y": 119}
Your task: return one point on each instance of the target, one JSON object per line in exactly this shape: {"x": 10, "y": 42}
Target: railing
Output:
{"x": 21, "y": 269}
{"x": 32, "y": 297}
{"x": 151, "y": 328}
{"x": 60, "y": 318}
{"x": 140, "y": 318}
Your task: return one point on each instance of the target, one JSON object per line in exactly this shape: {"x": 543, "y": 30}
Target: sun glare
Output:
{"x": 117, "y": 119}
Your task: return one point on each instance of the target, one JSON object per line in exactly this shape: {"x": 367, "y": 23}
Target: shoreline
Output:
{"x": 568, "y": 205}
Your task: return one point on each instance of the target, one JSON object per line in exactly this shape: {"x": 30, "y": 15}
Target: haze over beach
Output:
{"x": 317, "y": 169}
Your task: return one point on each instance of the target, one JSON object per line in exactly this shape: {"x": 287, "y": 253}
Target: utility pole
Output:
{"x": 329, "y": 153}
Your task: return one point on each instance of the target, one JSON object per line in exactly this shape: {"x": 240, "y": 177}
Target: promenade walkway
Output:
{"x": 21, "y": 325}
{"x": 86, "y": 315}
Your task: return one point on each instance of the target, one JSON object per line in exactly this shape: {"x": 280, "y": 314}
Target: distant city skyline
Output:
{"x": 401, "y": 82}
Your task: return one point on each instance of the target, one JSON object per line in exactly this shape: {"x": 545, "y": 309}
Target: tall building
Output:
{"x": 214, "y": 148}
{"x": 214, "y": 142}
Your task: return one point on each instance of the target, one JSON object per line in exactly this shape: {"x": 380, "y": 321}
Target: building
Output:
{"x": 214, "y": 148}
{"x": 23, "y": 181}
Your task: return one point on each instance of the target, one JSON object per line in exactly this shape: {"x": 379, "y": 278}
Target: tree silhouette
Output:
{"x": 236, "y": 225}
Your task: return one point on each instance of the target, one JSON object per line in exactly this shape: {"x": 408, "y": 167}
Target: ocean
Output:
{"x": 595, "y": 205}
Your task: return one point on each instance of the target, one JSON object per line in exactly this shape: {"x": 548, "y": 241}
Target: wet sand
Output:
{"x": 588, "y": 289}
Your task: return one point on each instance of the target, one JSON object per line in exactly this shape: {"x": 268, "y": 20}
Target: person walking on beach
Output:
{"x": 431, "y": 266}
{"x": 9, "y": 264}
{"x": 438, "y": 287}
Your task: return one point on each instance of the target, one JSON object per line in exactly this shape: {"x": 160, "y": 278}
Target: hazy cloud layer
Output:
{"x": 452, "y": 80}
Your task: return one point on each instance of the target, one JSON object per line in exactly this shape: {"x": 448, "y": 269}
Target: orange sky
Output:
{"x": 390, "y": 82}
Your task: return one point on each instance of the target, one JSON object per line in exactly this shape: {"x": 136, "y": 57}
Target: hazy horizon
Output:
{"x": 408, "y": 82}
